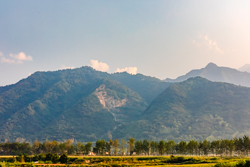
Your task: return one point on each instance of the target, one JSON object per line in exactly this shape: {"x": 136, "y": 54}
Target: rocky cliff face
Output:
{"x": 111, "y": 104}
{"x": 107, "y": 101}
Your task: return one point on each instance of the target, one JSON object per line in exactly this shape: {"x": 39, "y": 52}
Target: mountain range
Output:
{"x": 194, "y": 109}
{"x": 89, "y": 105}
{"x": 220, "y": 74}
{"x": 82, "y": 103}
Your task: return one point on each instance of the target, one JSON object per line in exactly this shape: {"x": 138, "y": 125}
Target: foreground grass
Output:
{"x": 133, "y": 161}
{"x": 193, "y": 165}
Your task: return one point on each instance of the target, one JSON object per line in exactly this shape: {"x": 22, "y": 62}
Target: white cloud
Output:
{"x": 207, "y": 41}
{"x": 66, "y": 67}
{"x": 100, "y": 66}
{"x": 15, "y": 58}
{"x": 21, "y": 56}
{"x": 9, "y": 61}
{"x": 212, "y": 44}
{"x": 130, "y": 70}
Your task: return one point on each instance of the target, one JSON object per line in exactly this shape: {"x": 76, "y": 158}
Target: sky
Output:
{"x": 159, "y": 38}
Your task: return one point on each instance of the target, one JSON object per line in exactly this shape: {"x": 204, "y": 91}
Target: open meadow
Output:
{"x": 122, "y": 161}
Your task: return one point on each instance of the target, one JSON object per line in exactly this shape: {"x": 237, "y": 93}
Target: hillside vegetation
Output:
{"x": 194, "y": 109}
{"x": 88, "y": 105}
{"x": 83, "y": 103}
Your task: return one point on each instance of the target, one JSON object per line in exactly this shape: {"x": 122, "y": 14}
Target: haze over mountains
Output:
{"x": 88, "y": 105}
{"x": 220, "y": 74}
{"x": 245, "y": 68}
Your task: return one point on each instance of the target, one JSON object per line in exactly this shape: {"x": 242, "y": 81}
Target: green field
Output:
{"x": 122, "y": 161}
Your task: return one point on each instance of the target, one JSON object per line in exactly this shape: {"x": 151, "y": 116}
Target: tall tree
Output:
{"x": 131, "y": 145}
{"x": 123, "y": 148}
{"x": 68, "y": 144}
{"x": 215, "y": 146}
{"x": 48, "y": 146}
{"x": 161, "y": 147}
{"x": 246, "y": 144}
{"x": 199, "y": 147}
{"x": 223, "y": 147}
{"x": 170, "y": 145}
{"x": 79, "y": 148}
{"x": 36, "y": 144}
{"x": 182, "y": 147}
{"x": 138, "y": 147}
{"x": 205, "y": 147}
{"x": 116, "y": 146}
{"x": 109, "y": 146}
{"x": 146, "y": 146}
{"x": 55, "y": 146}
{"x": 192, "y": 146}
{"x": 88, "y": 147}
{"x": 100, "y": 146}
{"x": 62, "y": 148}
{"x": 231, "y": 147}
{"x": 238, "y": 143}
{"x": 154, "y": 147}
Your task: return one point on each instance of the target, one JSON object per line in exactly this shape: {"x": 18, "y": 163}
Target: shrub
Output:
{"x": 241, "y": 164}
{"x": 48, "y": 157}
{"x": 41, "y": 157}
{"x": 174, "y": 159}
{"x": 55, "y": 158}
{"x": 48, "y": 162}
{"x": 180, "y": 159}
{"x": 2, "y": 164}
{"x": 224, "y": 164}
{"x": 247, "y": 164}
{"x": 63, "y": 159}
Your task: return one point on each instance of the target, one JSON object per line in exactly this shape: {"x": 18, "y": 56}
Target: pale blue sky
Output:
{"x": 159, "y": 38}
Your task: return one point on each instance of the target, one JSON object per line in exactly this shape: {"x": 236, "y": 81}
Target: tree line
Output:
{"x": 237, "y": 146}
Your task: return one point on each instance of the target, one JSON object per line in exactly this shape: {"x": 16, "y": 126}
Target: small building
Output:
{"x": 92, "y": 153}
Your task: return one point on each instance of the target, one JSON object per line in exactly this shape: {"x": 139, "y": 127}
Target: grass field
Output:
{"x": 133, "y": 161}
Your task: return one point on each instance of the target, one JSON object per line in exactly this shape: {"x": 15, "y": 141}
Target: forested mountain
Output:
{"x": 220, "y": 74}
{"x": 88, "y": 105}
{"x": 82, "y": 103}
{"x": 147, "y": 87}
{"x": 194, "y": 109}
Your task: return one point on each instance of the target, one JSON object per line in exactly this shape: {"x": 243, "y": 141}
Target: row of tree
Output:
{"x": 68, "y": 147}
{"x": 236, "y": 146}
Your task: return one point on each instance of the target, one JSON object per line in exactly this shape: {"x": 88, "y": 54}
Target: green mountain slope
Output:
{"x": 82, "y": 103}
{"x": 147, "y": 87}
{"x": 194, "y": 109}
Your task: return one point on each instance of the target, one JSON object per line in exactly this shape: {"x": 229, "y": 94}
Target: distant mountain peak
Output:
{"x": 211, "y": 65}
{"x": 216, "y": 73}
{"x": 245, "y": 68}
